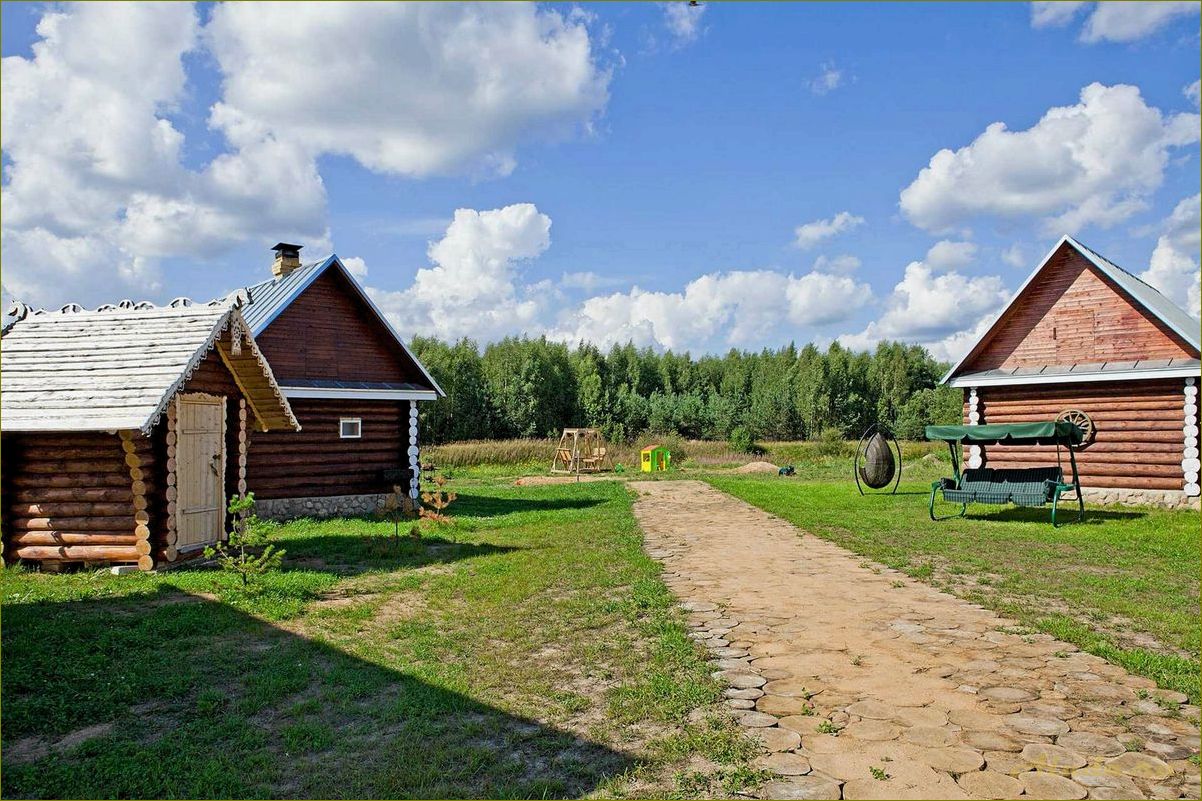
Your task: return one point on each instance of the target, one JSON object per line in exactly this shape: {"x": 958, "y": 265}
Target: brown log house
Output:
{"x": 125, "y": 429}
{"x": 1083, "y": 335}
{"x": 353, "y": 384}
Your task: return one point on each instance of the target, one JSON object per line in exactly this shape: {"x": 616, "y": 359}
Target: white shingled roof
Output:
{"x": 110, "y": 369}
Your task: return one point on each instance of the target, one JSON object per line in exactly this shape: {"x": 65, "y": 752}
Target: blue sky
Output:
{"x": 625, "y": 170}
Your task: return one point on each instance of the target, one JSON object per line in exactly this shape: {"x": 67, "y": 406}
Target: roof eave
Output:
{"x": 971, "y": 380}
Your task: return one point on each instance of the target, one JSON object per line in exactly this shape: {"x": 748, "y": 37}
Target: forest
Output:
{"x": 524, "y": 387}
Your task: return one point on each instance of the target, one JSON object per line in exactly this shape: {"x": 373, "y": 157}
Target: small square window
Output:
{"x": 350, "y": 428}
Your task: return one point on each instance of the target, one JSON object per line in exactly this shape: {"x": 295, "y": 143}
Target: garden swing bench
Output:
{"x": 1031, "y": 486}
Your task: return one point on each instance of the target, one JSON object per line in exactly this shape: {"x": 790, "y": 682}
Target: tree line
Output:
{"x": 523, "y": 387}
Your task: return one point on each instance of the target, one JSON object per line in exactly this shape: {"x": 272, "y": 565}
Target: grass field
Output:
{"x": 1124, "y": 584}
{"x": 530, "y": 652}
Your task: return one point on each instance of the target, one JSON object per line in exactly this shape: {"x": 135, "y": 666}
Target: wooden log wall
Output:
{"x": 1139, "y": 442}
{"x": 316, "y": 462}
{"x": 78, "y": 497}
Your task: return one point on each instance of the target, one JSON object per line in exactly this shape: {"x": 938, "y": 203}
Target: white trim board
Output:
{"x": 969, "y": 380}
{"x": 330, "y": 393}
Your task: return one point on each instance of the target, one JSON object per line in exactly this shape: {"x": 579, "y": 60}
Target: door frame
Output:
{"x": 214, "y": 400}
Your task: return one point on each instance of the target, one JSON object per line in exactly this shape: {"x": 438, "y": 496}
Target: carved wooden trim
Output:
{"x": 1189, "y": 454}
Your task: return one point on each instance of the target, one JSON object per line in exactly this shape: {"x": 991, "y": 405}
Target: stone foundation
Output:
{"x": 1163, "y": 499}
{"x": 329, "y": 506}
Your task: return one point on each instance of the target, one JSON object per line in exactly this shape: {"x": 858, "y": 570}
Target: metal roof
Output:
{"x": 117, "y": 367}
{"x": 1096, "y": 371}
{"x": 1147, "y": 296}
{"x": 267, "y": 300}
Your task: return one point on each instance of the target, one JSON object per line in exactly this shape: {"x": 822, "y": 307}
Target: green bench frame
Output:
{"x": 1032, "y": 486}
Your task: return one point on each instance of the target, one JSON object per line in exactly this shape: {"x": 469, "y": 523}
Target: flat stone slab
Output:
{"x": 1053, "y": 758}
{"x": 877, "y": 730}
{"x": 990, "y": 784}
{"x": 952, "y": 760}
{"x": 875, "y": 710}
{"x": 744, "y": 681}
{"x": 1010, "y": 695}
{"x": 931, "y": 736}
{"x": 1141, "y": 766}
{"x": 785, "y": 764}
{"x": 748, "y": 693}
{"x": 777, "y": 739}
{"x": 1044, "y": 727}
{"x": 990, "y": 741}
{"x": 756, "y": 720}
{"x": 1050, "y": 787}
{"x": 781, "y": 705}
{"x": 920, "y": 716}
{"x": 1090, "y": 744}
{"x": 801, "y": 787}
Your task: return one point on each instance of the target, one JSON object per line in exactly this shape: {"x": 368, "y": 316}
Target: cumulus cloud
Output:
{"x": 98, "y": 196}
{"x": 1114, "y": 20}
{"x": 950, "y": 255}
{"x": 1093, "y": 163}
{"x": 1194, "y": 93}
{"x": 1173, "y": 268}
{"x": 812, "y": 233}
{"x": 936, "y": 308}
{"x": 476, "y": 287}
{"x": 356, "y": 266}
{"x": 845, "y": 263}
{"x": 472, "y": 287}
{"x": 828, "y": 80}
{"x": 683, "y": 21}
{"x": 1015, "y": 256}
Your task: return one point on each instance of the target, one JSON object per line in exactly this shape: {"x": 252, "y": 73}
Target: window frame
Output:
{"x": 358, "y": 423}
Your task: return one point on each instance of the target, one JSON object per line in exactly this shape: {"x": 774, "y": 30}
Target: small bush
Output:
{"x": 741, "y": 440}
{"x": 830, "y": 442}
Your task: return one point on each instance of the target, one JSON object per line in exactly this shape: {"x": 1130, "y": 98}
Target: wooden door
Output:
{"x": 200, "y": 470}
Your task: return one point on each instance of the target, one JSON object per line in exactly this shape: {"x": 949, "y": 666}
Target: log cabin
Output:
{"x": 1087, "y": 341}
{"x": 124, "y": 429}
{"x": 353, "y": 384}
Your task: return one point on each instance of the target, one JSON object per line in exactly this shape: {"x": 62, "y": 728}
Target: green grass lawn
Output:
{"x": 1124, "y": 584}
{"x": 531, "y": 652}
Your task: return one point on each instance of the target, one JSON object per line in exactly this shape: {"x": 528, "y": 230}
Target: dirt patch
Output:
{"x": 538, "y": 481}
{"x": 758, "y": 467}
{"x": 31, "y": 749}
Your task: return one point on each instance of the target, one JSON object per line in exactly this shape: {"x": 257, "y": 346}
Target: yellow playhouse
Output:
{"x": 654, "y": 459}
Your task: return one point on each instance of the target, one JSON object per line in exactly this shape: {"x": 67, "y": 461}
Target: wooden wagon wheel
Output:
{"x": 1082, "y": 421}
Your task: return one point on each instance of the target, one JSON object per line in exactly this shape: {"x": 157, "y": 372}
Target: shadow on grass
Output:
{"x": 351, "y": 555}
{"x": 1065, "y": 515}
{"x": 485, "y": 506}
{"x": 191, "y": 698}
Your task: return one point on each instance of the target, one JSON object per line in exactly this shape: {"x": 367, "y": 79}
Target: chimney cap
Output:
{"x": 286, "y": 247}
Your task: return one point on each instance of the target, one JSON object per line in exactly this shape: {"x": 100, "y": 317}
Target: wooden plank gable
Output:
{"x": 329, "y": 333}
{"x": 1074, "y": 314}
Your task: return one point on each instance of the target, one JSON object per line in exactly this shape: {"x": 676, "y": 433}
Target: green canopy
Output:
{"x": 1010, "y": 433}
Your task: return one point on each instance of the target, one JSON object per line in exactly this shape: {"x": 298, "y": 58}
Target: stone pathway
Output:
{"x": 863, "y": 683}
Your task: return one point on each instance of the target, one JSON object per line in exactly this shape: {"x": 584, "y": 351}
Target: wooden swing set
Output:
{"x": 581, "y": 450}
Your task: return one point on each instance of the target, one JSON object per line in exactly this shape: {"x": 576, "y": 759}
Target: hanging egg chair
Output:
{"x": 877, "y": 460}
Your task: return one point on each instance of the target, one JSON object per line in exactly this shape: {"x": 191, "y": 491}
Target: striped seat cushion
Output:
{"x": 1022, "y": 486}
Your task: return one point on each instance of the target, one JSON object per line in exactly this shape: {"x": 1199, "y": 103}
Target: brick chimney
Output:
{"x": 287, "y": 259}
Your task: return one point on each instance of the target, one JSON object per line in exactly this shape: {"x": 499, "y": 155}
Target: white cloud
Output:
{"x": 811, "y": 233}
{"x": 1114, "y": 20}
{"x": 588, "y": 281}
{"x": 1194, "y": 93}
{"x": 683, "y": 21}
{"x": 935, "y": 308}
{"x": 828, "y": 80}
{"x": 735, "y": 309}
{"x": 356, "y": 266}
{"x": 1173, "y": 268}
{"x": 448, "y": 86}
{"x": 472, "y": 289}
{"x": 475, "y": 287}
{"x": 1055, "y": 13}
{"x": 1015, "y": 256}
{"x": 1092, "y": 163}
{"x": 97, "y": 197}
{"x": 844, "y": 264}
{"x": 950, "y": 255}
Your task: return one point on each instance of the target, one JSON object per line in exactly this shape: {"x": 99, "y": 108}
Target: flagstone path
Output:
{"x": 863, "y": 683}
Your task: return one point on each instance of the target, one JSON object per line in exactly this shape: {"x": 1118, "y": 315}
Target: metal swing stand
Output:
{"x": 1031, "y": 486}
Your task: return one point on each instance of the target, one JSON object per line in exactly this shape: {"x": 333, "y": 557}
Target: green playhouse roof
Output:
{"x": 1051, "y": 431}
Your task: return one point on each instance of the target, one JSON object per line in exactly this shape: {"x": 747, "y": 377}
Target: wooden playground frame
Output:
{"x": 581, "y": 450}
